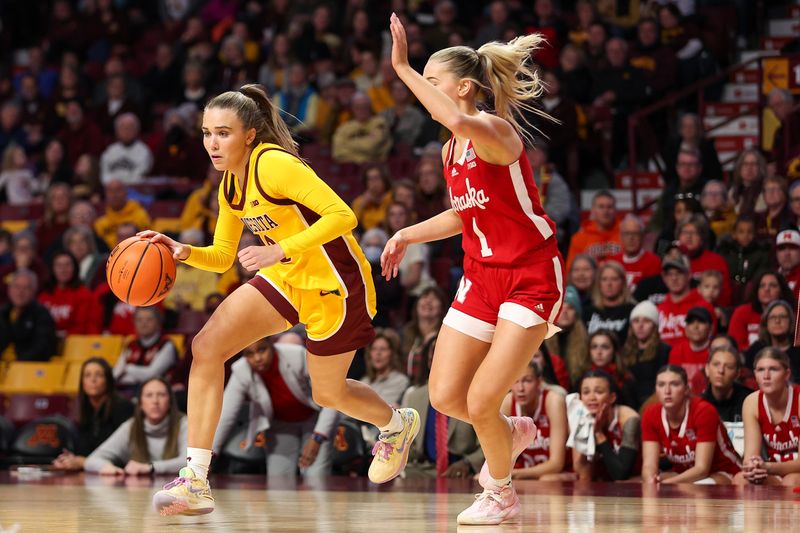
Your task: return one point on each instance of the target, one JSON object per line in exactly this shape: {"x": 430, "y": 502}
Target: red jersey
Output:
{"x": 75, "y": 310}
{"x": 693, "y": 361}
{"x": 672, "y": 316}
{"x": 502, "y": 218}
{"x": 539, "y": 450}
{"x": 637, "y": 267}
{"x": 744, "y": 326}
{"x": 701, "y": 423}
{"x": 285, "y": 404}
{"x": 783, "y": 437}
{"x": 713, "y": 261}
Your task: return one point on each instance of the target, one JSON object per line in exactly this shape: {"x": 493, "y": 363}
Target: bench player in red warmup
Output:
{"x": 511, "y": 293}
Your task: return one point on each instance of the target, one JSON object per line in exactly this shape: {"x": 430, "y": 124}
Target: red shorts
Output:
{"x": 526, "y": 296}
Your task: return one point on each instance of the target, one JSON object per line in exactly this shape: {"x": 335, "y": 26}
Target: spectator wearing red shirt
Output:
{"x": 598, "y": 236}
{"x": 680, "y": 298}
{"x": 693, "y": 238}
{"x": 638, "y": 262}
{"x": 688, "y": 432}
{"x": 79, "y": 135}
{"x": 74, "y": 308}
{"x": 744, "y": 324}
{"x": 151, "y": 354}
{"x": 787, "y": 252}
{"x": 691, "y": 353}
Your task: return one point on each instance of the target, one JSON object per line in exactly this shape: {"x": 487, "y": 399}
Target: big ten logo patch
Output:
{"x": 259, "y": 442}
{"x": 45, "y": 435}
{"x": 340, "y": 441}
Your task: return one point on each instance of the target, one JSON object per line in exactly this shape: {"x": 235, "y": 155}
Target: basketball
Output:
{"x": 140, "y": 272}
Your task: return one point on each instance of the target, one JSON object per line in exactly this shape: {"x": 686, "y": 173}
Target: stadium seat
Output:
{"x": 8, "y": 354}
{"x": 22, "y": 212}
{"x": 179, "y": 340}
{"x": 42, "y": 440}
{"x": 349, "y": 449}
{"x": 82, "y": 347}
{"x": 23, "y": 408}
{"x": 72, "y": 378}
{"x": 15, "y": 226}
{"x": 30, "y": 377}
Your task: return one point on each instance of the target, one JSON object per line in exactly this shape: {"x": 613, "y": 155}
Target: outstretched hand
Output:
{"x": 399, "y": 42}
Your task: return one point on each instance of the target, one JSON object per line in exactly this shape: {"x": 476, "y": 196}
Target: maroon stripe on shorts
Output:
{"x": 276, "y": 299}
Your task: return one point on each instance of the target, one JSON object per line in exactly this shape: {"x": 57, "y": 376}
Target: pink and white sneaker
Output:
{"x": 492, "y": 507}
{"x": 522, "y": 435}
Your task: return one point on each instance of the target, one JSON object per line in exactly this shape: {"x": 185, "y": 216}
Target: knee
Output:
{"x": 481, "y": 407}
{"x": 202, "y": 349}
{"x": 325, "y": 395}
{"x": 445, "y": 402}
{"x": 790, "y": 480}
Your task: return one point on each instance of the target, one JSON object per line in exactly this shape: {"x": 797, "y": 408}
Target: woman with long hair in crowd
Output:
{"x": 745, "y": 322}
{"x": 572, "y": 342}
{"x": 604, "y": 354}
{"x": 611, "y": 301}
{"x": 511, "y": 292}
{"x": 643, "y": 352}
{"x": 776, "y": 330}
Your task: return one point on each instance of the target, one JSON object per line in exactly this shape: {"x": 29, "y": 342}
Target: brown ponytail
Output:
{"x": 254, "y": 108}
{"x": 505, "y": 71}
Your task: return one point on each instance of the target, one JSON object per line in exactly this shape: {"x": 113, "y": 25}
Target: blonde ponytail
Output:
{"x": 505, "y": 71}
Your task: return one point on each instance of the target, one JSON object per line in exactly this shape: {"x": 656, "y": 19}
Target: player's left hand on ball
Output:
{"x": 257, "y": 257}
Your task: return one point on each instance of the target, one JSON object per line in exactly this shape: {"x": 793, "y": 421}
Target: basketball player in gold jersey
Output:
{"x": 310, "y": 270}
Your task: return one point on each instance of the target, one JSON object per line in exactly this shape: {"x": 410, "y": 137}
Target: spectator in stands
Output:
{"x": 438, "y": 35}
{"x": 617, "y": 432}
{"x": 718, "y": 208}
{"x": 777, "y": 216}
{"x": 80, "y": 242}
{"x": 194, "y": 88}
{"x": 24, "y": 256}
{"x": 709, "y": 286}
{"x": 404, "y": 120}
{"x": 371, "y": 205}
{"x": 235, "y": 70}
{"x": 547, "y": 454}
{"x": 794, "y": 204}
{"x": 680, "y": 34}
{"x": 787, "y": 252}
{"x": 371, "y": 81}
{"x": 562, "y": 136}
{"x": 686, "y": 206}
{"x": 686, "y": 431}
{"x": 5, "y": 248}
{"x": 611, "y": 303}
{"x": 691, "y": 353}
{"x": 724, "y": 391}
{"x": 86, "y": 179}
{"x": 746, "y": 319}
{"x": 150, "y": 354}
{"x": 496, "y": 27}
{"x": 11, "y": 130}
{"x": 637, "y": 262}
{"x": 192, "y": 285}
{"x": 430, "y": 200}
{"x": 581, "y": 275}
{"x": 576, "y": 81}
{"x": 127, "y": 160}
{"x": 101, "y": 410}
{"x": 572, "y": 342}
{"x": 554, "y": 194}
{"x": 298, "y": 432}
{"x": 426, "y": 319}
{"x": 53, "y": 167}
{"x": 787, "y": 136}
{"x": 404, "y": 191}
{"x": 79, "y": 134}
{"x": 149, "y": 442}
{"x": 181, "y": 153}
{"x": 197, "y": 211}
{"x": 776, "y": 330}
{"x": 297, "y": 100}
{"x": 119, "y": 209}
{"x": 585, "y": 14}
{"x": 55, "y": 221}
{"x": 385, "y": 367}
{"x": 18, "y": 185}
{"x": 116, "y": 102}
{"x": 604, "y": 354}
{"x": 770, "y": 443}
{"x": 387, "y": 293}
{"x": 363, "y": 139}
{"x": 74, "y": 308}
{"x": 414, "y": 268}
{"x": 598, "y": 236}
{"x": 658, "y": 62}
{"x": 643, "y": 352}
{"x": 680, "y": 298}
{"x": 690, "y": 136}
{"x": 439, "y": 434}
{"x": 690, "y": 183}
{"x": 747, "y": 191}
{"x": 745, "y": 255}
{"x": 693, "y": 238}
{"x": 26, "y": 324}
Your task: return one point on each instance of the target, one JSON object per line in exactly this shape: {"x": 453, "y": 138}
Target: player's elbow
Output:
{"x": 349, "y": 220}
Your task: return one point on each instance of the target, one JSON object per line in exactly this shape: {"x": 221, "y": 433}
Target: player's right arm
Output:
{"x": 218, "y": 257}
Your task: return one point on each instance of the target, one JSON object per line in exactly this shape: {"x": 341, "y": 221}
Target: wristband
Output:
{"x": 319, "y": 438}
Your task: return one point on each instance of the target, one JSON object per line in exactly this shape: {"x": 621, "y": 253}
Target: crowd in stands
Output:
{"x": 674, "y": 315}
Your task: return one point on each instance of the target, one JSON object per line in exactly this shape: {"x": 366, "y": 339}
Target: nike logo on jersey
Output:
{"x": 334, "y": 291}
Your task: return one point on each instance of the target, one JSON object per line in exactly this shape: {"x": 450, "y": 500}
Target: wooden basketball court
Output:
{"x": 88, "y": 503}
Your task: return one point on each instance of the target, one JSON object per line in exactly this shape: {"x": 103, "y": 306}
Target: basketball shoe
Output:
{"x": 522, "y": 434}
{"x": 186, "y": 495}
{"x": 493, "y": 506}
{"x": 391, "y": 450}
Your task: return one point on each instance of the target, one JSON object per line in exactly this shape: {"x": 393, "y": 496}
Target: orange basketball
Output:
{"x": 140, "y": 272}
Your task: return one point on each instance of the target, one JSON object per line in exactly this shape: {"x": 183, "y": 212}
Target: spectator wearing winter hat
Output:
{"x": 691, "y": 353}
{"x": 644, "y": 352}
{"x": 787, "y": 252}
{"x": 572, "y": 342}
{"x": 680, "y": 298}
{"x": 638, "y": 262}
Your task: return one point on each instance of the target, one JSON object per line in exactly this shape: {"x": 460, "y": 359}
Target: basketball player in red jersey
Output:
{"x": 511, "y": 293}
{"x": 771, "y": 423}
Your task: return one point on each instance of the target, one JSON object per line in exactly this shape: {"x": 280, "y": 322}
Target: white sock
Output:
{"x": 395, "y": 425}
{"x": 500, "y": 482}
{"x": 198, "y": 460}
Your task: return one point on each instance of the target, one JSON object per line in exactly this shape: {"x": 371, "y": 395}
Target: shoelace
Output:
{"x": 382, "y": 450}
{"x": 489, "y": 495}
{"x": 175, "y": 482}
